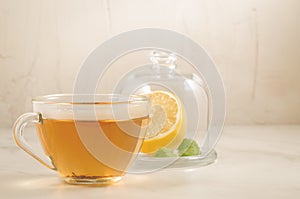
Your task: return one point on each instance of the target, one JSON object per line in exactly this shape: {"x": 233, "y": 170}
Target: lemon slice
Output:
{"x": 166, "y": 127}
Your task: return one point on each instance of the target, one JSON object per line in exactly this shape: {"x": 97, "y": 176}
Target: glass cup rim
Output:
{"x": 89, "y": 99}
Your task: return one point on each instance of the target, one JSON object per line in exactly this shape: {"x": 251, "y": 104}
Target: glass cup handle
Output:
{"x": 19, "y": 127}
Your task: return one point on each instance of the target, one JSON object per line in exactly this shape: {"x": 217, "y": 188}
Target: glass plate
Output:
{"x": 145, "y": 163}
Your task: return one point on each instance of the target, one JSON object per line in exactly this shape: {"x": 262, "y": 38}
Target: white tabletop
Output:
{"x": 253, "y": 162}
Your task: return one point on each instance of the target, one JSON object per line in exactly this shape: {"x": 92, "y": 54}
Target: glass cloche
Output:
{"x": 163, "y": 74}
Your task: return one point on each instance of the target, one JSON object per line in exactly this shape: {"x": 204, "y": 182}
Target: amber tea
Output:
{"x": 72, "y": 159}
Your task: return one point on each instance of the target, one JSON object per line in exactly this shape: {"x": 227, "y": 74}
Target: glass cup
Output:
{"x": 88, "y": 139}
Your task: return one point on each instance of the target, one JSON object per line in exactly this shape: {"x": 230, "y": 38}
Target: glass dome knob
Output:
{"x": 160, "y": 58}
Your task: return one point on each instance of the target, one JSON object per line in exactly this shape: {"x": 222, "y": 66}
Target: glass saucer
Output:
{"x": 145, "y": 163}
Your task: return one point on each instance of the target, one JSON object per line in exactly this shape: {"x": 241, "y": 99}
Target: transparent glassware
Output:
{"x": 162, "y": 73}
{"x": 73, "y": 132}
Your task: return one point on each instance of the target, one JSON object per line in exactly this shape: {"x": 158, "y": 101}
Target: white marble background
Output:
{"x": 255, "y": 44}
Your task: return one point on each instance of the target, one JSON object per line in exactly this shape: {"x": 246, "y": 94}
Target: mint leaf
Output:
{"x": 188, "y": 147}
{"x": 164, "y": 152}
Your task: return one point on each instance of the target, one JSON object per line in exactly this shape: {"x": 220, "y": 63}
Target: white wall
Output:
{"x": 255, "y": 44}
